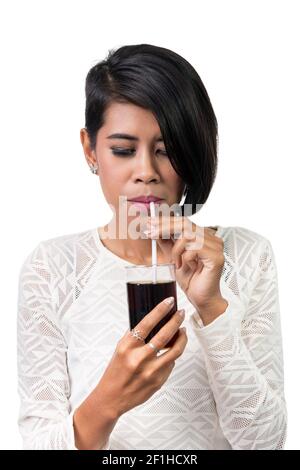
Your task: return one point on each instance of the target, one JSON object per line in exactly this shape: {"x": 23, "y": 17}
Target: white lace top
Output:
{"x": 226, "y": 390}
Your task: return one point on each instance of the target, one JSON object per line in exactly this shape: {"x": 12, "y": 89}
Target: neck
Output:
{"x": 137, "y": 251}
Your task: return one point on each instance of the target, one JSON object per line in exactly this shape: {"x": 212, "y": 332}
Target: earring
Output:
{"x": 94, "y": 169}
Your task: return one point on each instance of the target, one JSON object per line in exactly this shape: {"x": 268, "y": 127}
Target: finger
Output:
{"x": 167, "y": 332}
{"x": 189, "y": 252}
{"x": 211, "y": 231}
{"x": 190, "y": 261}
{"x": 165, "y": 227}
{"x": 177, "y": 252}
{"x": 175, "y": 351}
{"x": 178, "y": 226}
{"x": 167, "y": 245}
{"x": 146, "y": 325}
{"x": 208, "y": 256}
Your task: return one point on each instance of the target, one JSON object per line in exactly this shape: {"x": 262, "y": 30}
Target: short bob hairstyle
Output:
{"x": 160, "y": 80}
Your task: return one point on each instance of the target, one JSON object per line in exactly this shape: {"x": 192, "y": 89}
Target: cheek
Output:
{"x": 173, "y": 180}
{"x": 113, "y": 179}
{"x": 110, "y": 170}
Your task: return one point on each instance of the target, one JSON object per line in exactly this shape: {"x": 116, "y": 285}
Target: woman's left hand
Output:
{"x": 199, "y": 258}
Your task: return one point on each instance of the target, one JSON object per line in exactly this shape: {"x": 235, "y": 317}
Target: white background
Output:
{"x": 246, "y": 54}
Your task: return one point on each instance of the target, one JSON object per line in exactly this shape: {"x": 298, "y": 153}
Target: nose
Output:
{"x": 145, "y": 170}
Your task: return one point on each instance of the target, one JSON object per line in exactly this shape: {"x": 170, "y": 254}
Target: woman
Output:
{"x": 85, "y": 380}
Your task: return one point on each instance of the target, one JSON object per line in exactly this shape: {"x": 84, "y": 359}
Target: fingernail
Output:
{"x": 150, "y": 233}
{"x": 146, "y": 233}
{"x": 182, "y": 312}
{"x": 169, "y": 300}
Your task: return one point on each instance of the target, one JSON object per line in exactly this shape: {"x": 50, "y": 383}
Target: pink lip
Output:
{"x": 145, "y": 199}
{"x": 145, "y": 204}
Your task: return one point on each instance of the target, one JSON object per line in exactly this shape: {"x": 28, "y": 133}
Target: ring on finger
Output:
{"x": 136, "y": 334}
{"x": 152, "y": 346}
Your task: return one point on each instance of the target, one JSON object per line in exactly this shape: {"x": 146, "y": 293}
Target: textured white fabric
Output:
{"x": 226, "y": 390}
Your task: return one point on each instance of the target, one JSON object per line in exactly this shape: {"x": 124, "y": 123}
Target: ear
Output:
{"x": 90, "y": 154}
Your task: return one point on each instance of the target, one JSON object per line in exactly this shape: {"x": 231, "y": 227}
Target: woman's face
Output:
{"x": 134, "y": 166}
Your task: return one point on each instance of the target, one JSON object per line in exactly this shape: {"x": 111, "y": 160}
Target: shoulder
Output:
{"x": 248, "y": 259}
{"x": 243, "y": 239}
{"x": 243, "y": 234}
{"x": 66, "y": 241}
{"x": 55, "y": 264}
{"x": 247, "y": 248}
{"x": 58, "y": 247}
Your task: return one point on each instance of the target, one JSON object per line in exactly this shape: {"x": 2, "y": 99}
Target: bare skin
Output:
{"x": 146, "y": 170}
{"x": 135, "y": 372}
{"x": 133, "y": 375}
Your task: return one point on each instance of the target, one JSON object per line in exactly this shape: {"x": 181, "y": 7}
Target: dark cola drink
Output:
{"x": 143, "y": 297}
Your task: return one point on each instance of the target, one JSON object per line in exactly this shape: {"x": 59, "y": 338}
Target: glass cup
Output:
{"x": 143, "y": 294}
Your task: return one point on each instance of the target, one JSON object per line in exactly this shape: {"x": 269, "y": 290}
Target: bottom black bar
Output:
{"x": 134, "y": 458}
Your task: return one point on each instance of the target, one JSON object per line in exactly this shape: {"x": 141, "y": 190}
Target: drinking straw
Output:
{"x": 153, "y": 248}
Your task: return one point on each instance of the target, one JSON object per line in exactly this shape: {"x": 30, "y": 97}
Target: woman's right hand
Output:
{"x": 135, "y": 372}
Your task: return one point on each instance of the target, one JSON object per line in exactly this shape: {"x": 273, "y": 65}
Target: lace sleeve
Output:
{"x": 45, "y": 420}
{"x": 245, "y": 364}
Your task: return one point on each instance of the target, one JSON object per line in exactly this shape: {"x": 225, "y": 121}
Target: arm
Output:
{"x": 245, "y": 364}
{"x": 92, "y": 429}
{"x": 45, "y": 419}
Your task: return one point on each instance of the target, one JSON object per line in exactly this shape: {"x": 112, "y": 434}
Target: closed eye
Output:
{"x": 126, "y": 152}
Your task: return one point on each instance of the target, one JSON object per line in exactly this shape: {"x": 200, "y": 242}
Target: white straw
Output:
{"x": 153, "y": 247}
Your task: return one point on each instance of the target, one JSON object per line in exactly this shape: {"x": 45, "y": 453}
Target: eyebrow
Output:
{"x": 129, "y": 137}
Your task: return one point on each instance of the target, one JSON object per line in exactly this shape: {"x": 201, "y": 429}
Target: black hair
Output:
{"x": 160, "y": 80}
